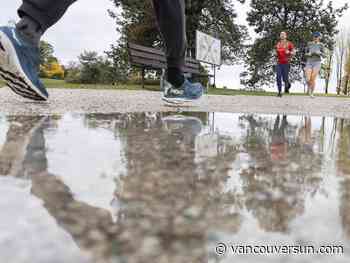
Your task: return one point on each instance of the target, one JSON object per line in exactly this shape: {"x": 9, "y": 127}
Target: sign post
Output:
{"x": 208, "y": 50}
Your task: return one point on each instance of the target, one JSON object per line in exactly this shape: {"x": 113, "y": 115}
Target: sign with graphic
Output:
{"x": 208, "y": 49}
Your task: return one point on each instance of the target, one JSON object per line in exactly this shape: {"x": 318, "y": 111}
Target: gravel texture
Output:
{"x": 113, "y": 101}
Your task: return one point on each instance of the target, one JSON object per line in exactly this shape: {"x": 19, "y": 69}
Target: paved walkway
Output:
{"x": 110, "y": 101}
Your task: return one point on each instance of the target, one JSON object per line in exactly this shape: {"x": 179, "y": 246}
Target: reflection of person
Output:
{"x": 305, "y": 135}
{"x": 285, "y": 51}
{"x": 279, "y": 144}
{"x": 161, "y": 203}
{"x": 25, "y": 155}
{"x": 314, "y": 53}
{"x": 19, "y": 52}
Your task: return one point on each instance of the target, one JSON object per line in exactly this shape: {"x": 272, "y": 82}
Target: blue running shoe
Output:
{"x": 19, "y": 65}
{"x": 188, "y": 92}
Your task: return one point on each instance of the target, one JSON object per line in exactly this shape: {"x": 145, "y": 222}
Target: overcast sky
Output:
{"x": 86, "y": 26}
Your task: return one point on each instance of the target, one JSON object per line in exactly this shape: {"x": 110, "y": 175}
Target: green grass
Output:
{"x": 61, "y": 84}
{"x": 233, "y": 92}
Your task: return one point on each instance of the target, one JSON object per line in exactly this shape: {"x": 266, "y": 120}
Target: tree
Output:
{"x": 52, "y": 70}
{"x": 73, "y": 72}
{"x": 89, "y": 72}
{"x": 46, "y": 52}
{"x": 136, "y": 22}
{"x": 346, "y": 82}
{"x": 299, "y": 18}
{"x": 49, "y": 64}
{"x": 327, "y": 68}
{"x": 340, "y": 55}
{"x": 91, "y": 69}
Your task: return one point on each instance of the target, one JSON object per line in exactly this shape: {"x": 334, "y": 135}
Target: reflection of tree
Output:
{"x": 344, "y": 149}
{"x": 165, "y": 208}
{"x": 343, "y": 165}
{"x": 165, "y": 188}
{"x": 275, "y": 188}
{"x": 169, "y": 200}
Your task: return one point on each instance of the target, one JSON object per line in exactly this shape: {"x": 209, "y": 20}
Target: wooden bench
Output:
{"x": 148, "y": 58}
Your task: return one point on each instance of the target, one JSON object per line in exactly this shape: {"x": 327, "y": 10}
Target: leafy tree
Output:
{"x": 73, "y": 72}
{"x": 90, "y": 72}
{"x": 91, "y": 69}
{"x": 136, "y": 22}
{"x": 46, "y": 53}
{"x": 52, "y": 70}
{"x": 299, "y": 18}
{"x": 49, "y": 65}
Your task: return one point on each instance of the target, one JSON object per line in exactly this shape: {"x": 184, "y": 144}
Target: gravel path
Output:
{"x": 111, "y": 101}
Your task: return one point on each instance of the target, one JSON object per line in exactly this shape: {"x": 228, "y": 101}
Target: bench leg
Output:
{"x": 143, "y": 78}
{"x": 162, "y": 78}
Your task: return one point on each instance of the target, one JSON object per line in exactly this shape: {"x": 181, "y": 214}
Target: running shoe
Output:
{"x": 19, "y": 65}
{"x": 186, "y": 93}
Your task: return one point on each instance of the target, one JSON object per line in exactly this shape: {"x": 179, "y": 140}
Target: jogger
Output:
{"x": 284, "y": 51}
{"x": 39, "y": 15}
{"x": 314, "y": 54}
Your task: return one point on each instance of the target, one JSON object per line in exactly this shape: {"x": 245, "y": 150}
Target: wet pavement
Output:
{"x": 165, "y": 187}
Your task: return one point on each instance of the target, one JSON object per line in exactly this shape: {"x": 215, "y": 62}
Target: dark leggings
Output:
{"x": 283, "y": 74}
{"x": 170, "y": 15}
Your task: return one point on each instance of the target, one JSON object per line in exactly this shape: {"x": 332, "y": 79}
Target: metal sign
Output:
{"x": 208, "y": 49}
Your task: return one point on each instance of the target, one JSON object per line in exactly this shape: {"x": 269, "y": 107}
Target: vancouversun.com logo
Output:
{"x": 223, "y": 249}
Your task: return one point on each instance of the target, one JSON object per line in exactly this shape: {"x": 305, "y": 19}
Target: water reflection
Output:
{"x": 156, "y": 187}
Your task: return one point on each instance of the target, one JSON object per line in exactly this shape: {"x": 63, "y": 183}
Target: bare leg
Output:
{"x": 308, "y": 73}
{"x": 314, "y": 75}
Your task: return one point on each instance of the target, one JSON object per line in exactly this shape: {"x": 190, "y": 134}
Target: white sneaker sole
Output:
{"x": 11, "y": 71}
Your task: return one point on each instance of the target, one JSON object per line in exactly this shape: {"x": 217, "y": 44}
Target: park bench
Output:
{"x": 148, "y": 58}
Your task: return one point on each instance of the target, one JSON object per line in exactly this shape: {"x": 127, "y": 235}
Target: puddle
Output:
{"x": 162, "y": 187}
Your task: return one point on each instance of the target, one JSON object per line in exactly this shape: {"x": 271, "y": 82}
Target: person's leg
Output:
{"x": 308, "y": 72}
{"x": 171, "y": 21}
{"x": 19, "y": 47}
{"x": 38, "y": 15}
{"x": 285, "y": 74}
{"x": 313, "y": 78}
{"x": 279, "y": 77}
{"x": 172, "y": 25}
{"x": 276, "y": 124}
{"x": 284, "y": 123}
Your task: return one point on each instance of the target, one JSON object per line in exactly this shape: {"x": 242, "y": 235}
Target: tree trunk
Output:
{"x": 346, "y": 84}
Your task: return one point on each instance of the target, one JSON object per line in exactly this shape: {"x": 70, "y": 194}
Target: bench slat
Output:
{"x": 151, "y": 58}
{"x": 146, "y": 49}
{"x": 156, "y": 60}
{"x": 150, "y": 50}
{"x": 140, "y": 62}
{"x": 136, "y": 53}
